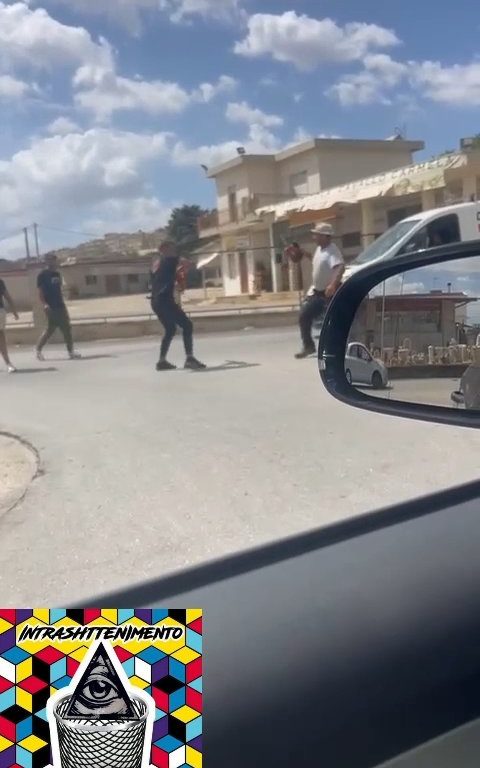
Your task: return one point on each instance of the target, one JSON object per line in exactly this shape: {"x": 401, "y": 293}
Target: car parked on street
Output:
{"x": 362, "y": 368}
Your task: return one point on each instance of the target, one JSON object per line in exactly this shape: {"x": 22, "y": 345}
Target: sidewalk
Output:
{"x": 18, "y": 467}
{"x": 193, "y": 301}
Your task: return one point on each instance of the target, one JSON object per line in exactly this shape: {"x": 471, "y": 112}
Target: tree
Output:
{"x": 182, "y": 225}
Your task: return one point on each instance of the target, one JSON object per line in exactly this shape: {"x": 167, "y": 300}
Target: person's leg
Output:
{"x": 184, "y": 322}
{"x": 4, "y": 348}
{"x": 49, "y": 330}
{"x": 165, "y": 313}
{"x": 66, "y": 329}
{"x": 312, "y": 309}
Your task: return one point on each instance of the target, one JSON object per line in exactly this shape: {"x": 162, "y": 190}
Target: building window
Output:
{"x": 91, "y": 279}
{"x": 298, "y": 184}
{"x": 232, "y": 204}
{"x": 232, "y": 271}
{"x": 133, "y": 278}
{"x": 398, "y": 214}
{"x": 351, "y": 240}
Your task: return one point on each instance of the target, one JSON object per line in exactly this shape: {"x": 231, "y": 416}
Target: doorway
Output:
{"x": 112, "y": 284}
{"x": 243, "y": 269}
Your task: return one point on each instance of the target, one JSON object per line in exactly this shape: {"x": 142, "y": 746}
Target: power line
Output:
{"x": 18, "y": 233}
{"x": 69, "y": 231}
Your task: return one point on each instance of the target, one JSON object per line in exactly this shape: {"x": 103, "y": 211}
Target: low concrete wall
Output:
{"x": 130, "y": 329}
{"x": 427, "y": 371}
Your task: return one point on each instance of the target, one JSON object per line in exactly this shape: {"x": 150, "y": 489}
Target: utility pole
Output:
{"x": 37, "y": 249}
{"x": 27, "y": 244}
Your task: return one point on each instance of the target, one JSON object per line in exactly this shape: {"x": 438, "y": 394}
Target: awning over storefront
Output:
{"x": 207, "y": 260}
{"x": 207, "y": 253}
{"x": 412, "y": 178}
{"x": 297, "y": 219}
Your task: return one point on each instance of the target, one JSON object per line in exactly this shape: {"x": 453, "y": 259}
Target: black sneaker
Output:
{"x": 192, "y": 364}
{"x": 306, "y": 352}
{"x": 164, "y": 365}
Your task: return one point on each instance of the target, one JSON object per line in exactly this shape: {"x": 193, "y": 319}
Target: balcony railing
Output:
{"x": 243, "y": 211}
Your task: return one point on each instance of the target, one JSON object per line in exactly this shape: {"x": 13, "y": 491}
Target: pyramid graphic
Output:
{"x": 100, "y": 693}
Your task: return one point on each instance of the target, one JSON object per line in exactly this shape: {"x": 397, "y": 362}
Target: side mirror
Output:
{"x": 419, "y": 316}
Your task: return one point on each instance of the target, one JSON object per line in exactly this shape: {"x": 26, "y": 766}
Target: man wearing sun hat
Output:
{"x": 327, "y": 269}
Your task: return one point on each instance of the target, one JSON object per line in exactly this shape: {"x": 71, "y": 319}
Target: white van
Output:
{"x": 439, "y": 226}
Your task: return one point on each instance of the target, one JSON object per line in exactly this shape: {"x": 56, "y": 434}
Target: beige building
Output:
{"x": 250, "y": 187}
{"x": 109, "y": 276}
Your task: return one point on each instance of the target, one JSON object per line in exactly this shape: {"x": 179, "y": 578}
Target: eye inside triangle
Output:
{"x": 100, "y": 692}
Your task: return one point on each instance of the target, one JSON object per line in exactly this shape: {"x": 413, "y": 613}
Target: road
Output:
{"x": 144, "y": 473}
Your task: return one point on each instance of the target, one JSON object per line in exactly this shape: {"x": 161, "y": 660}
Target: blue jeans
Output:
{"x": 313, "y": 308}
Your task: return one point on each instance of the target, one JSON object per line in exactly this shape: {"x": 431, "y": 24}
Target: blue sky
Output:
{"x": 110, "y": 106}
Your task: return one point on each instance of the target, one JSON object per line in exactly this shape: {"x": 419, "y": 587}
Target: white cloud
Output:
{"x": 103, "y": 92}
{"x": 221, "y": 10}
{"x": 241, "y": 112}
{"x": 129, "y": 13}
{"x": 307, "y": 42}
{"x": 259, "y": 141}
{"x": 206, "y": 92}
{"x": 129, "y": 215}
{"x": 457, "y": 85}
{"x": 396, "y": 285}
{"x": 71, "y": 175}
{"x": 32, "y": 37}
{"x": 11, "y": 88}
{"x": 126, "y": 13}
{"x": 381, "y": 73}
{"x": 268, "y": 82}
{"x": 62, "y": 126}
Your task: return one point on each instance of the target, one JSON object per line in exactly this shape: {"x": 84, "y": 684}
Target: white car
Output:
{"x": 362, "y": 368}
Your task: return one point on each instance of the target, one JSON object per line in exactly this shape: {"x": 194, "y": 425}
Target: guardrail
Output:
{"x": 142, "y": 316}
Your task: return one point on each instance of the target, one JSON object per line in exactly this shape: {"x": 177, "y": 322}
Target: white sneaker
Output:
{"x": 11, "y": 369}
{"x": 40, "y": 355}
{"x": 75, "y": 356}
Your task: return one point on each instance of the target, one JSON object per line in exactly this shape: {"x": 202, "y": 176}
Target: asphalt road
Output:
{"x": 144, "y": 473}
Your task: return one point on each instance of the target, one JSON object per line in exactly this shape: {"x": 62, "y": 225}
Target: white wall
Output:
{"x": 341, "y": 165}
{"x": 306, "y": 161}
{"x": 21, "y": 286}
{"x": 231, "y": 280}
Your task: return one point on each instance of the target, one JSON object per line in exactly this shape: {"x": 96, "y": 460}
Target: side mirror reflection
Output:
{"x": 416, "y": 337}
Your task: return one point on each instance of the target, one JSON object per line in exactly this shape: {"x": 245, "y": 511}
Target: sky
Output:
{"x": 110, "y": 107}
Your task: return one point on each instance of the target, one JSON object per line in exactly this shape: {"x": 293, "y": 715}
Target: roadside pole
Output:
{"x": 382, "y": 329}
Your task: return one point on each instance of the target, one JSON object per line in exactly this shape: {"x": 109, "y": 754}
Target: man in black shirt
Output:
{"x": 170, "y": 314}
{"x": 49, "y": 284}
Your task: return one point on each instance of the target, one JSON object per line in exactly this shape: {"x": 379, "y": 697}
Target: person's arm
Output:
{"x": 336, "y": 279}
{"x": 294, "y": 252}
{"x": 41, "y": 295}
{"x": 11, "y": 304}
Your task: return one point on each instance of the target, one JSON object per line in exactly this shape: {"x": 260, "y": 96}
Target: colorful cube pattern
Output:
{"x": 173, "y": 679}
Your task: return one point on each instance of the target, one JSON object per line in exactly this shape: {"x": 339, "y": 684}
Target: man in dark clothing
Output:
{"x": 170, "y": 314}
{"x": 49, "y": 284}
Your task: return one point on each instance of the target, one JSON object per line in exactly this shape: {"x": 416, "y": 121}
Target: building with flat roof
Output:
{"x": 249, "y": 184}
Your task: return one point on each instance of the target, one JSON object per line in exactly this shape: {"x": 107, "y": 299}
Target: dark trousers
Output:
{"x": 57, "y": 318}
{"x": 171, "y": 316}
{"x": 313, "y": 308}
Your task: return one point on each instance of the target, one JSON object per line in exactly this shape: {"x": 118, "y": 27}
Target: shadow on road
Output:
{"x": 228, "y": 365}
{"x": 94, "y": 357}
{"x": 225, "y": 568}
{"x": 50, "y": 369}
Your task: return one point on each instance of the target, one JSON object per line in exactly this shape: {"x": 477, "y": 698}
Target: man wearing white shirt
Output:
{"x": 328, "y": 266}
